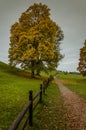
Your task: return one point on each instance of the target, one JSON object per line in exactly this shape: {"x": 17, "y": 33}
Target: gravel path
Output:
{"x": 75, "y": 106}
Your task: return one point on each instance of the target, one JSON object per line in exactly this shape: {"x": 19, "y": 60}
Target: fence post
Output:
{"x": 40, "y": 93}
{"x": 44, "y": 87}
{"x": 48, "y": 82}
{"x": 31, "y": 108}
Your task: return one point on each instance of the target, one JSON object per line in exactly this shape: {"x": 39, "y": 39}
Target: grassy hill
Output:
{"x": 14, "y": 87}
{"x": 5, "y": 68}
{"x": 13, "y": 92}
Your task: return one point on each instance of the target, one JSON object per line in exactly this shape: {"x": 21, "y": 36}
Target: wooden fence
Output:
{"x": 29, "y": 108}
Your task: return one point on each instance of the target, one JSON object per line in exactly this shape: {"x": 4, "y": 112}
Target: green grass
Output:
{"x": 75, "y": 82}
{"x": 13, "y": 94}
{"x": 14, "y": 87}
{"x": 51, "y": 113}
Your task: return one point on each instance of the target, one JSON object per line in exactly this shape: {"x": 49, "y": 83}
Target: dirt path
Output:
{"x": 75, "y": 106}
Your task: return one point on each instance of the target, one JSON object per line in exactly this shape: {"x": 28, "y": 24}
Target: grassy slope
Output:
{"x": 13, "y": 93}
{"x": 75, "y": 82}
{"x": 52, "y": 114}
{"x": 14, "y": 87}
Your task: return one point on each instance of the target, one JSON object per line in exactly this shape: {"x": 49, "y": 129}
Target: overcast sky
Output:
{"x": 70, "y": 15}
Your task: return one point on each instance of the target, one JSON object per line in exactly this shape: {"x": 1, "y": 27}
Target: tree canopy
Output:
{"x": 35, "y": 40}
{"x": 82, "y": 60}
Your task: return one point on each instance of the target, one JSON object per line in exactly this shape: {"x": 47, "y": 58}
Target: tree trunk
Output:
{"x": 38, "y": 72}
{"x": 32, "y": 69}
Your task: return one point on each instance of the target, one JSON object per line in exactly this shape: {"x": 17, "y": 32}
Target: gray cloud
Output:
{"x": 70, "y": 15}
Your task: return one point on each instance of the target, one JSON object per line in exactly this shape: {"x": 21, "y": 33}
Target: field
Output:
{"x": 13, "y": 94}
{"x": 52, "y": 114}
{"x": 75, "y": 82}
{"x": 14, "y": 87}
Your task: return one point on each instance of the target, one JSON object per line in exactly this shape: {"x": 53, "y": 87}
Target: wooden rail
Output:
{"x": 30, "y": 107}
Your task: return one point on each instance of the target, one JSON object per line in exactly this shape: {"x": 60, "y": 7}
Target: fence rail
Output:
{"x": 30, "y": 106}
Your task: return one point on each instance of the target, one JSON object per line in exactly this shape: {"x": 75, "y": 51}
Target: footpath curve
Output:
{"x": 75, "y": 107}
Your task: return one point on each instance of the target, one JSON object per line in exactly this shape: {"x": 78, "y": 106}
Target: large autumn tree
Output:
{"x": 35, "y": 40}
{"x": 82, "y": 61}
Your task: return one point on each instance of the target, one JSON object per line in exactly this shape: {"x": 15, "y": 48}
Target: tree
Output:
{"x": 82, "y": 61}
{"x": 35, "y": 40}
